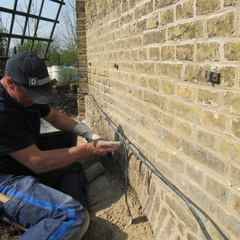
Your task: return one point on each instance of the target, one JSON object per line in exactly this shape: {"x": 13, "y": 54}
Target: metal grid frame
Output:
{"x": 10, "y": 35}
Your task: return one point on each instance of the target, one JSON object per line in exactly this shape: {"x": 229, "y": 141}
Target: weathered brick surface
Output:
{"x": 225, "y": 25}
{"x": 185, "y": 10}
{"x": 205, "y": 6}
{"x": 145, "y": 63}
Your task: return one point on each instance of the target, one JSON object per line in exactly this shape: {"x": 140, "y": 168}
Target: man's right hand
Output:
{"x": 103, "y": 146}
{"x": 44, "y": 161}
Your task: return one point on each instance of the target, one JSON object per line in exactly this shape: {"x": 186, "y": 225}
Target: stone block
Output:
{"x": 154, "y": 98}
{"x": 184, "y": 10}
{"x": 221, "y": 26}
{"x": 185, "y": 92}
{"x": 144, "y": 9}
{"x": 141, "y": 26}
{"x": 232, "y": 51}
{"x": 207, "y": 138}
{"x": 154, "y": 53}
{"x": 206, "y": 96}
{"x": 164, "y": 3}
{"x": 208, "y": 51}
{"x": 204, "y": 157}
{"x": 185, "y": 110}
{"x": 166, "y": 120}
{"x": 206, "y": 6}
{"x": 195, "y": 173}
{"x": 236, "y": 203}
{"x": 184, "y": 127}
{"x": 234, "y": 176}
{"x": 215, "y": 120}
{"x": 168, "y": 53}
{"x": 152, "y": 37}
{"x": 185, "y": 52}
{"x": 169, "y": 69}
{"x": 186, "y": 31}
{"x": 134, "y": 42}
{"x": 231, "y": 2}
{"x": 231, "y": 101}
{"x": 235, "y": 127}
{"x": 168, "y": 136}
{"x": 167, "y": 16}
{"x": 167, "y": 86}
{"x": 152, "y": 21}
{"x": 153, "y": 83}
{"x": 218, "y": 190}
{"x": 229, "y": 222}
{"x": 177, "y": 163}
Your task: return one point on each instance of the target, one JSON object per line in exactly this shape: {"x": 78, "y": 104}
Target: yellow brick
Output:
{"x": 218, "y": 190}
{"x": 153, "y": 83}
{"x": 207, "y": 138}
{"x": 154, "y": 53}
{"x": 167, "y": 87}
{"x": 230, "y": 149}
{"x": 206, "y": 96}
{"x": 223, "y": 25}
{"x": 167, "y": 16}
{"x": 185, "y": 52}
{"x": 215, "y": 120}
{"x": 185, "y": 92}
{"x": 184, "y": 10}
{"x": 208, "y": 51}
{"x": 232, "y": 51}
{"x": 185, "y": 110}
{"x": 155, "y": 98}
{"x": 231, "y": 101}
{"x": 171, "y": 70}
{"x": 166, "y": 120}
{"x": 161, "y": 3}
{"x": 152, "y": 21}
{"x": 168, "y": 53}
{"x": 236, "y": 127}
{"x": 144, "y": 9}
{"x": 186, "y": 31}
{"x": 206, "y": 6}
{"x": 154, "y": 37}
{"x": 183, "y": 127}
{"x": 236, "y": 203}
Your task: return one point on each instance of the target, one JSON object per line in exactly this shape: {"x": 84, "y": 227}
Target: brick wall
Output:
{"x": 144, "y": 62}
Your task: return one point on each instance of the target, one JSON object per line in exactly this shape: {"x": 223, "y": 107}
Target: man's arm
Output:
{"x": 66, "y": 123}
{"x": 60, "y": 121}
{"x": 44, "y": 161}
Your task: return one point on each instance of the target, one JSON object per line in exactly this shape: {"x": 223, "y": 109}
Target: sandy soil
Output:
{"x": 115, "y": 208}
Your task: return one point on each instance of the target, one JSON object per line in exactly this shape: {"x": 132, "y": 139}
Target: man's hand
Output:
{"x": 103, "y": 146}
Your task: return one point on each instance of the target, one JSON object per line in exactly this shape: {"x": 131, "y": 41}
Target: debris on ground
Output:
{"x": 109, "y": 211}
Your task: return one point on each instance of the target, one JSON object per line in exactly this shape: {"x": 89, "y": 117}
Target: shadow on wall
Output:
{"x": 122, "y": 154}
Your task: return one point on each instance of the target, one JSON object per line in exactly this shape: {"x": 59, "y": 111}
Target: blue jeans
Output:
{"x": 47, "y": 213}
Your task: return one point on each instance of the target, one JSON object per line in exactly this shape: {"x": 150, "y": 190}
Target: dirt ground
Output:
{"x": 108, "y": 199}
{"x": 107, "y": 195}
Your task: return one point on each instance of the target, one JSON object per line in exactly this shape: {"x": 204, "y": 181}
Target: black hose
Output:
{"x": 134, "y": 151}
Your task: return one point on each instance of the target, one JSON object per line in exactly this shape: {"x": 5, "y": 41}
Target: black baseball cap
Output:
{"x": 28, "y": 70}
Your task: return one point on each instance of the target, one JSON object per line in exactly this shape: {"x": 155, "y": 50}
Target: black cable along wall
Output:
{"x": 140, "y": 157}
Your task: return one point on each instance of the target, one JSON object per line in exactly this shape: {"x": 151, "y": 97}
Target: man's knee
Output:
{"x": 85, "y": 223}
{"x": 80, "y": 217}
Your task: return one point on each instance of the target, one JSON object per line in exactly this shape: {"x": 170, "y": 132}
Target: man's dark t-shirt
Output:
{"x": 19, "y": 128}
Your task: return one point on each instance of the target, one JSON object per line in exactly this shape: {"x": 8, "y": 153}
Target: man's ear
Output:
{"x": 10, "y": 83}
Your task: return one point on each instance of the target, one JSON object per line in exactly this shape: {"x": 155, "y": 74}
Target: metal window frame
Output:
{"x": 14, "y": 12}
